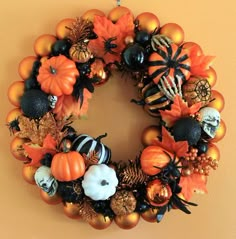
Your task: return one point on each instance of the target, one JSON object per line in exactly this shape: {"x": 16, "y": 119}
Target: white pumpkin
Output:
{"x": 100, "y": 182}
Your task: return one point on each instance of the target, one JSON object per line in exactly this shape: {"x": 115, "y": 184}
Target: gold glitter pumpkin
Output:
{"x": 80, "y": 53}
{"x": 197, "y": 90}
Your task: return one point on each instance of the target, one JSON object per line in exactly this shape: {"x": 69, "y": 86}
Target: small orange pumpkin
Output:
{"x": 57, "y": 75}
{"x": 68, "y": 166}
{"x": 153, "y": 159}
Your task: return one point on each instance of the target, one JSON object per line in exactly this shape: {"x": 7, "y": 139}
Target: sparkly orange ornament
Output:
{"x": 127, "y": 221}
{"x": 187, "y": 46}
{"x": 211, "y": 76}
{"x": 174, "y": 32}
{"x": 15, "y": 91}
{"x": 62, "y": 30}
{"x": 25, "y": 66}
{"x": 148, "y": 21}
{"x": 13, "y": 115}
{"x": 71, "y": 210}
{"x": 52, "y": 200}
{"x": 117, "y": 13}
{"x": 43, "y": 44}
{"x": 16, "y": 148}
{"x": 149, "y": 134}
{"x": 28, "y": 173}
{"x": 220, "y": 132}
{"x": 100, "y": 222}
{"x": 89, "y": 15}
{"x": 150, "y": 215}
{"x": 218, "y": 101}
{"x": 213, "y": 152}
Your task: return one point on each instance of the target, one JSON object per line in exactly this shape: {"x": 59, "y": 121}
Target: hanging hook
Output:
{"x": 118, "y": 2}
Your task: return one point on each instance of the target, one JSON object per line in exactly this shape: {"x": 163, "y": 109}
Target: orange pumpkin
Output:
{"x": 68, "y": 166}
{"x": 153, "y": 159}
{"x": 57, "y": 75}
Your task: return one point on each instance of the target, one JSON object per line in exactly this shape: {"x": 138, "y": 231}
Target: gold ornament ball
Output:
{"x": 149, "y": 134}
{"x": 211, "y": 76}
{"x": 62, "y": 30}
{"x": 15, "y": 92}
{"x": 218, "y": 101}
{"x": 28, "y": 173}
{"x": 13, "y": 115}
{"x": 117, "y": 13}
{"x": 188, "y": 46}
{"x": 150, "y": 215}
{"x": 89, "y": 15}
{"x": 52, "y": 200}
{"x": 127, "y": 221}
{"x": 174, "y": 32}
{"x": 100, "y": 222}
{"x": 147, "y": 21}
{"x": 129, "y": 40}
{"x": 65, "y": 145}
{"x": 213, "y": 152}
{"x": 71, "y": 210}
{"x": 16, "y": 148}
{"x": 25, "y": 66}
{"x": 220, "y": 132}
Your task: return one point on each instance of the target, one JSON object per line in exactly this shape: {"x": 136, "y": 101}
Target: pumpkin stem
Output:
{"x": 138, "y": 102}
{"x": 53, "y": 70}
{"x": 98, "y": 139}
{"x": 104, "y": 182}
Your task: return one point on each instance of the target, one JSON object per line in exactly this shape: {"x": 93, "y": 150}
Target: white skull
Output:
{"x": 210, "y": 120}
{"x": 52, "y": 101}
{"x": 44, "y": 179}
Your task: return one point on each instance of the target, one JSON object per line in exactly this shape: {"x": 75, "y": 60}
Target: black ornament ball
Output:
{"x": 142, "y": 37}
{"x": 31, "y": 83}
{"x": 187, "y": 129}
{"x": 134, "y": 57}
{"x": 61, "y": 47}
{"x": 34, "y": 103}
{"x": 202, "y": 147}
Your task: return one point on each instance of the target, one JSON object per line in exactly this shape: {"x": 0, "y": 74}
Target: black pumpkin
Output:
{"x": 85, "y": 144}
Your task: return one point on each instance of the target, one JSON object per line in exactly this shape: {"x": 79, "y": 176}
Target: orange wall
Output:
{"x": 24, "y": 215}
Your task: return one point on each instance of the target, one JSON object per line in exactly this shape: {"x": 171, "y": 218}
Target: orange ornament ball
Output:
{"x": 89, "y": 15}
{"x": 127, "y": 221}
{"x": 25, "y": 67}
{"x": 62, "y": 30}
{"x": 188, "y": 46}
{"x": 15, "y": 92}
{"x": 218, "y": 101}
{"x": 149, "y": 134}
{"x": 52, "y": 200}
{"x": 174, "y": 31}
{"x": 213, "y": 152}
{"x": 117, "y": 13}
{"x": 211, "y": 76}
{"x": 148, "y": 21}
{"x": 28, "y": 173}
{"x": 220, "y": 132}
{"x": 43, "y": 44}
{"x": 71, "y": 210}
{"x": 13, "y": 115}
{"x": 150, "y": 215}
{"x": 16, "y": 148}
{"x": 100, "y": 222}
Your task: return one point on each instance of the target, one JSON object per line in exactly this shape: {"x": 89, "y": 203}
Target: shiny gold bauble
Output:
{"x": 150, "y": 215}
{"x": 43, "y": 44}
{"x": 117, "y": 13}
{"x": 213, "y": 152}
{"x": 211, "y": 76}
{"x": 127, "y": 221}
{"x": 174, "y": 32}
{"x": 25, "y": 67}
{"x": 80, "y": 53}
{"x": 100, "y": 222}
{"x": 65, "y": 145}
{"x": 147, "y": 21}
{"x": 188, "y": 46}
{"x": 28, "y": 173}
{"x": 71, "y": 210}
{"x": 149, "y": 134}
{"x": 52, "y": 200}
{"x": 62, "y": 30}
{"x": 220, "y": 132}
{"x": 13, "y": 115}
{"x": 89, "y": 15}
{"x": 218, "y": 101}
{"x": 15, "y": 91}
{"x": 16, "y": 148}
{"x": 129, "y": 40}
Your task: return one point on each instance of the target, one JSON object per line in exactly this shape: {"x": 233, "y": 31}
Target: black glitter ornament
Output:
{"x": 202, "y": 147}
{"x": 142, "y": 37}
{"x": 31, "y": 83}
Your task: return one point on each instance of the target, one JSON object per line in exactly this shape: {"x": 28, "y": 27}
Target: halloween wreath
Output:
{"x": 174, "y": 81}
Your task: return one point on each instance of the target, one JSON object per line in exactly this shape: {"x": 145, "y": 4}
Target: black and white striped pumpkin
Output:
{"x": 85, "y": 144}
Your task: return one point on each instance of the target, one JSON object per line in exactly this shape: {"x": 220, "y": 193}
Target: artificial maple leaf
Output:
{"x": 194, "y": 183}
{"x": 126, "y": 25}
{"x": 179, "y": 109}
{"x": 180, "y": 148}
{"x": 91, "y": 159}
{"x": 35, "y": 152}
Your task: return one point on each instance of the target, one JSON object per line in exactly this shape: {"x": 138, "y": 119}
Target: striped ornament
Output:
{"x": 85, "y": 144}
{"x": 169, "y": 61}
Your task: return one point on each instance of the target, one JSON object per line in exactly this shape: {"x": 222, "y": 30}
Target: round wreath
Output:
{"x": 174, "y": 81}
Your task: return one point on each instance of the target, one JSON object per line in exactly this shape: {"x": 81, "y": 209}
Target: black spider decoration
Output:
{"x": 108, "y": 45}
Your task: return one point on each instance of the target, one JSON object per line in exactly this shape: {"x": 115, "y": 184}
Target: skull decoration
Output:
{"x": 44, "y": 179}
{"x": 52, "y": 101}
{"x": 210, "y": 120}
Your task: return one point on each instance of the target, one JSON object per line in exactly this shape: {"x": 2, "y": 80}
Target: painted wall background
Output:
{"x": 211, "y": 24}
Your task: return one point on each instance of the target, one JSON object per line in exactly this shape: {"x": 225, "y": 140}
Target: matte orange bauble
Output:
{"x": 127, "y": 221}
{"x": 16, "y": 148}
{"x": 188, "y": 46}
{"x": 71, "y": 210}
{"x": 15, "y": 91}
{"x": 147, "y": 21}
{"x": 153, "y": 159}
{"x": 89, "y": 15}
{"x": 62, "y": 30}
{"x": 149, "y": 134}
{"x": 213, "y": 152}
{"x": 100, "y": 222}
{"x": 174, "y": 31}
{"x": 52, "y": 200}
{"x": 25, "y": 67}
{"x": 211, "y": 76}
{"x": 68, "y": 166}
{"x": 117, "y": 13}
{"x": 28, "y": 173}
{"x": 220, "y": 132}
{"x": 43, "y": 44}
{"x": 218, "y": 101}
{"x": 150, "y": 215}
{"x": 13, "y": 115}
